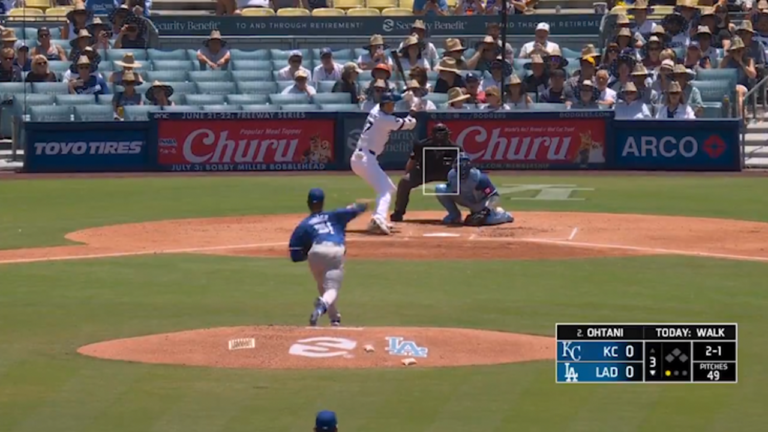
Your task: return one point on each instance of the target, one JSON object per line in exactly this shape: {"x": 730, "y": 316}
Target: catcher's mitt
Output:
{"x": 477, "y": 218}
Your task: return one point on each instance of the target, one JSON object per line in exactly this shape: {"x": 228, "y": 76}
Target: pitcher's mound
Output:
{"x": 276, "y": 347}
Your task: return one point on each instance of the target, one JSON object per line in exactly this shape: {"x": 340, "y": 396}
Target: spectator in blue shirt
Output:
{"x": 430, "y": 7}
{"x": 85, "y": 82}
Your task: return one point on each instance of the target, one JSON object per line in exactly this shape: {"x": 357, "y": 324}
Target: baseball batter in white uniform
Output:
{"x": 379, "y": 124}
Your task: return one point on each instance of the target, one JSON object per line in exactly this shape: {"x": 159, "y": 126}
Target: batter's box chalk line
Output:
{"x": 242, "y": 343}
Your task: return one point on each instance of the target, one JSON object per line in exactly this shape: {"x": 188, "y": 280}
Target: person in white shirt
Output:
{"x": 413, "y": 99}
{"x": 493, "y": 100}
{"x": 642, "y": 26}
{"x": 300, "y": 85}
{"x": 376, "y": 54}
{"x": 541, "y": 41}
{"x": 674, "y": 108}
{"x": 328, "y": 70}
{"x": 377, "y": 89}
{"x": 378, "y": 126}
{"x": 606, "y": 96}
{"x": 456, "y": 99}
{"x": 630, "y": 106}
{"x": 411, "y": 54}
{"x": 704, "y": 37}
{"x": 294, "y": 64}
{"x": 429, "y": 51}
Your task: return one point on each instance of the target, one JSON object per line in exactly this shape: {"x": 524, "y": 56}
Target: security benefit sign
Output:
{"x": 676, "y": 145}
{"x": 257, "y": 141}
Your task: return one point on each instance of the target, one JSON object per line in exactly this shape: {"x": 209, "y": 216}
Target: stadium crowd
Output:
{"x": 693, "y": 62}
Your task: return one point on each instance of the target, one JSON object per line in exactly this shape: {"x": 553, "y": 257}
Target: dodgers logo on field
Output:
{"x": 398, "y": 346}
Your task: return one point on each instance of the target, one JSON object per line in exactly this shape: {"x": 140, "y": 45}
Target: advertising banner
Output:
{"x": 101, "y": 147}
{"x": 671, "y": 145}
{"x": 447, "y": 26}
{"x": 258, "y": 141}
{"x": 396, "y": 152}
{"x": 530, "y": 140}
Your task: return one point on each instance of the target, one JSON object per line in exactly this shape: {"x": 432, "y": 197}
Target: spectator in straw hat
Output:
{"x": 420, "y": 29}
{"x": 630, "y": 106}
{"x": 77, "y": 19}
{"x": 40, "y": 71}
{"x": 45, "y": 47}
{"x": 455, "y": 50}
{"x": 78, "y": 44}
{"x": 411, "y": 53}
{"x": 652, "y": 52}
{"x": 704, "y": 38}
{"x": 755, "y": 49}
{"x": 413, "y": 98}
{"x": 420, "y": 75}
{"x": 760, "y": 18}
{"x": 376, "y": 54}
{"x": 9, "y": 39}
{"x": 132, "y": 34}
{"x": 485, "y": 54}
{"x": 663, "y": 76}
{"x": 641, "y": 78}
{"x": 555, "y": 60}
{"x": 295, "y": 59}
{"x": 674, "y": 107}
{"x": 300, "y": 84}
{"x": 494, "y": 30}
{"x": 456, "y": 99}
{"x": 493, "y": 100}
{"x": 128, "y": 63}
{"x": 689, "y": 11}
{"x": 587, "y": 96}
{"x": 642, "y": 26}
{"x": 541, "y": 39}
{"x": 537, "y": 81}
{"x": 8, "y": 71}
{"x": 737, "y": 58}
{"x": 101, "y": 34}
{"x": 694, "y": 59}
{"x": 129, "y": 96}
{"x": 430, "y": 7}
{"x": 159, "y": 94}
{"x": 473, "y": 90}
{"x": 85, "y": 82}
{"x": 674, "y": 24}
{"x": 691, "y": 95}
{"x": 381, "y": 72}
{"x": 348, "y": 83}
{"x": 214, "y": 54}
{"x": 515, "y": 96}
{"x": 588, "y": 62}
{"x": 92, "y": 55}
{"x": 378, "y": 88}
{"x": 448, "y": 77}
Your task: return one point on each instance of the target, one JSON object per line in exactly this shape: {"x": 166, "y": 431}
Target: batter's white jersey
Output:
{"x": 377, "y": 128}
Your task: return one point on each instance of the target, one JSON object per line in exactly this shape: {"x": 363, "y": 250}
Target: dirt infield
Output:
{"x": 276, "y": 347}
{"x": 534, "y": 235}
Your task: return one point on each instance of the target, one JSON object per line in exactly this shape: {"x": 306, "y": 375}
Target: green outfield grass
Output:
{"x": 48, "y": 310}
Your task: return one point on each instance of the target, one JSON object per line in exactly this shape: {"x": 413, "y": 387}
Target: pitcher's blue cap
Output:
{"x": 387, "y": 97}
{"x": 325, "y": 421}
{"x": 316, "y": 195}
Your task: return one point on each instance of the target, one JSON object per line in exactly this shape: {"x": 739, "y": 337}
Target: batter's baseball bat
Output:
{"x": 396, "y": 58}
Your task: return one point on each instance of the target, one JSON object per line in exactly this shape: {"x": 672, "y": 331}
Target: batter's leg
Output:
{"x": 407, "y": 183}
{"x": 368, "y": 168}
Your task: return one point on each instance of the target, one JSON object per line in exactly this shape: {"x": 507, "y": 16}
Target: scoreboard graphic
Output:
{"x": 647, "y": 353}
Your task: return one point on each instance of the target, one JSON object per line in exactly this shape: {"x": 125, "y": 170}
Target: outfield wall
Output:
{"x": 319, "y": 141}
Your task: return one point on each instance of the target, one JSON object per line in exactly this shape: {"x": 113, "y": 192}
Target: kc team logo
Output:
{"x": 569, "y": 352}
{"x": 398, "y": 346}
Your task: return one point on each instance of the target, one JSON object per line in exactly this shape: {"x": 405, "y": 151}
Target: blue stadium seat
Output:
{"x": 341, "y": 56}
{"x": 252, "y": 75}
{"x": 548, "y": 107}
{"x": 437, "y": 98}
{"x": 182, "y": 87}
{"x": 179, "y": 98}
{"x": 325, "y": 86}
{"x": 181, "y": 108}
{"x": 216, "y": 88}
{"x": 713, "y": 110}
{"x": 61, "y": 88}
{"x": 59, "y": 66}
{"x": 30, "y": 32}
{"x": 282, "y": 85}
{"x": 251, "y": 65}
{"x": 205, "y": 99}
{"x": 75, "y": 99}
{"x": 570, "y": 53}
{"x": 104, "y": 99}
{"x": 714, "y": 91}
{"x": 289, "y": 99}
{"x": 138, "y": 112}
{"x": 175, "y": 65}
{"x": 360, "y": 51}
{"x": 167, "y": 75}
{"x": 279, "y": 64}
{"x": 8, "y": 89}
{"x": 108, "y": 66}
{"x": 192, "y": 54}
{"x": 247, "y": 99}
{"x": 93, "y": 113}
{"x": 299, "y": 107}
{"x": 221, "y": 107}
{"x": 156, "y": 54}
{"x": 259, "y": 107}
{"x": 238, "y": 54}
{"x": 340, "y": 107}
{"x": 210, "y": 76}
{"x": 730, "y": 75}
{"x": 331, "y": 98}
{"x": 117, "y": 54}
{"x": 278, "y": 54}
{"x": 22, "y": 102}
{"x": 51, "y": 113}
{"x": 519, "y": 64}
{"x": 256, "y": 87}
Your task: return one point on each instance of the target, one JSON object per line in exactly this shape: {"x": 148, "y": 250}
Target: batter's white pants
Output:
{"x": 365, "y": 165}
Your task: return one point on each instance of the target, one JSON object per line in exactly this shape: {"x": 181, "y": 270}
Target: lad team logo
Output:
{"x": 397, "y": 346}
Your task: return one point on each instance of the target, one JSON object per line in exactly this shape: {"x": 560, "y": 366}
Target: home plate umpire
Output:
{"x": 417, "y": 171}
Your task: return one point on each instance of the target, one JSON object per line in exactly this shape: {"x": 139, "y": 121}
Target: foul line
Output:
{"x": 573, "y": 233}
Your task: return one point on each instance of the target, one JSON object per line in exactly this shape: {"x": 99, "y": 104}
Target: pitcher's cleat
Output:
{"x": 320, "y": 309}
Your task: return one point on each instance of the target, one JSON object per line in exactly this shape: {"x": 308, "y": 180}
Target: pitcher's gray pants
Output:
{"x": 326, "y": 261}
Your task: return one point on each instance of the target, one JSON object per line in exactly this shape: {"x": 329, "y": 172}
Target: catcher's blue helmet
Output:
{"x": 463, "y": 165}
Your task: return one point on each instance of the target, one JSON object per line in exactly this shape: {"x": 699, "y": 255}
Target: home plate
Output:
{"x": 442, "y": 235}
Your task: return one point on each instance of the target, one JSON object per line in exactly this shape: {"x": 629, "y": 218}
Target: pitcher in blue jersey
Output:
{"x": 320, "y": 239}
{"x": 469, "y": 187}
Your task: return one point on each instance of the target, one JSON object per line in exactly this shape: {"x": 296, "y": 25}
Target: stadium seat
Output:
{"x": 256, "y": 87}
{"x": 216, "y": 88}
{"x": 38, "y": 4}
{"x": 138, "y": 112}
{"x": 248, "y": 99}
{"x": 181, "y": 108}
{"x": 57, "y": 13}
{"x": 259, "y": 107}
{"x": 205, "y": 99}
{"x": 437, "y": 98}
{"x": 396, "y": 11}
{"x": 406, "y": 4}
{"x": 381, "y": 4}
{"x": 359, "y": 52}
{"x": 179, "y": 98}
{"x": 519, "y": 64}
{"x": 107, "y": 66}
{"x": 281, "y": 63}
{"x": 717, "y": 75}
{"x": 238, "y": 54}
{"x": 210, "y": 76}
{"x": 60, "y": 88}
{"x": 344, "y": 107}
{"x": 289, "y": 99}
{"x": 50, "y": 113}
{"x": 104, "y": 99}
{"x": 22, "y": 102}
{"x": 25, "y": 14}
{"x": 182, "y": 88}
{"x": 325, "y": 86}
{"x": 348, "y": 4}
{"x": 75, "y": 99}
{"x": 293, "y": 12}
{"x": 278, "y": 54}
{"x": 548, "y": 107}
{"x": 299, "y": 107}
{"x": 328, "y": 12}
{"x": 7, "y": 90}
{"x": 331, "y": 98}
{"x": 714, "y": 91}
{"x": 258, "y": 12}
{"x": 363, "y": 12}
{"x": 220, "y": 107}
{"x": 167, "y": 76}
{"x": 282, "y": 85}
{"x": 93, "y": 113}
{"x": 192, "y": 55}
{"x": 252, "y": 75}
{"x": 178, "y": 65}
{"x": 452, "y": 4}
{"x": 712, "y": 110}
{"x": 252, "y": 65}
{"x": 156, "y": 54}
{"x": 570, "y": 53}
{"x": 117, "y": 54}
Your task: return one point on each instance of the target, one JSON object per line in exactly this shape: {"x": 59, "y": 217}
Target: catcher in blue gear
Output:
{"x": 469, "y": 187}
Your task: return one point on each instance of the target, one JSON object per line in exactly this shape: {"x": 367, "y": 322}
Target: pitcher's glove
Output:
{"x": 477, "y": 218}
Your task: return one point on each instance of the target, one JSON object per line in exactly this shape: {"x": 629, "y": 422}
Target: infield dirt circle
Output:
{"x": 534, "y": 235}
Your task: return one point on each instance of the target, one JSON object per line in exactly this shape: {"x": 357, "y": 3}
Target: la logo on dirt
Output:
{"x": 326, "y": 347}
